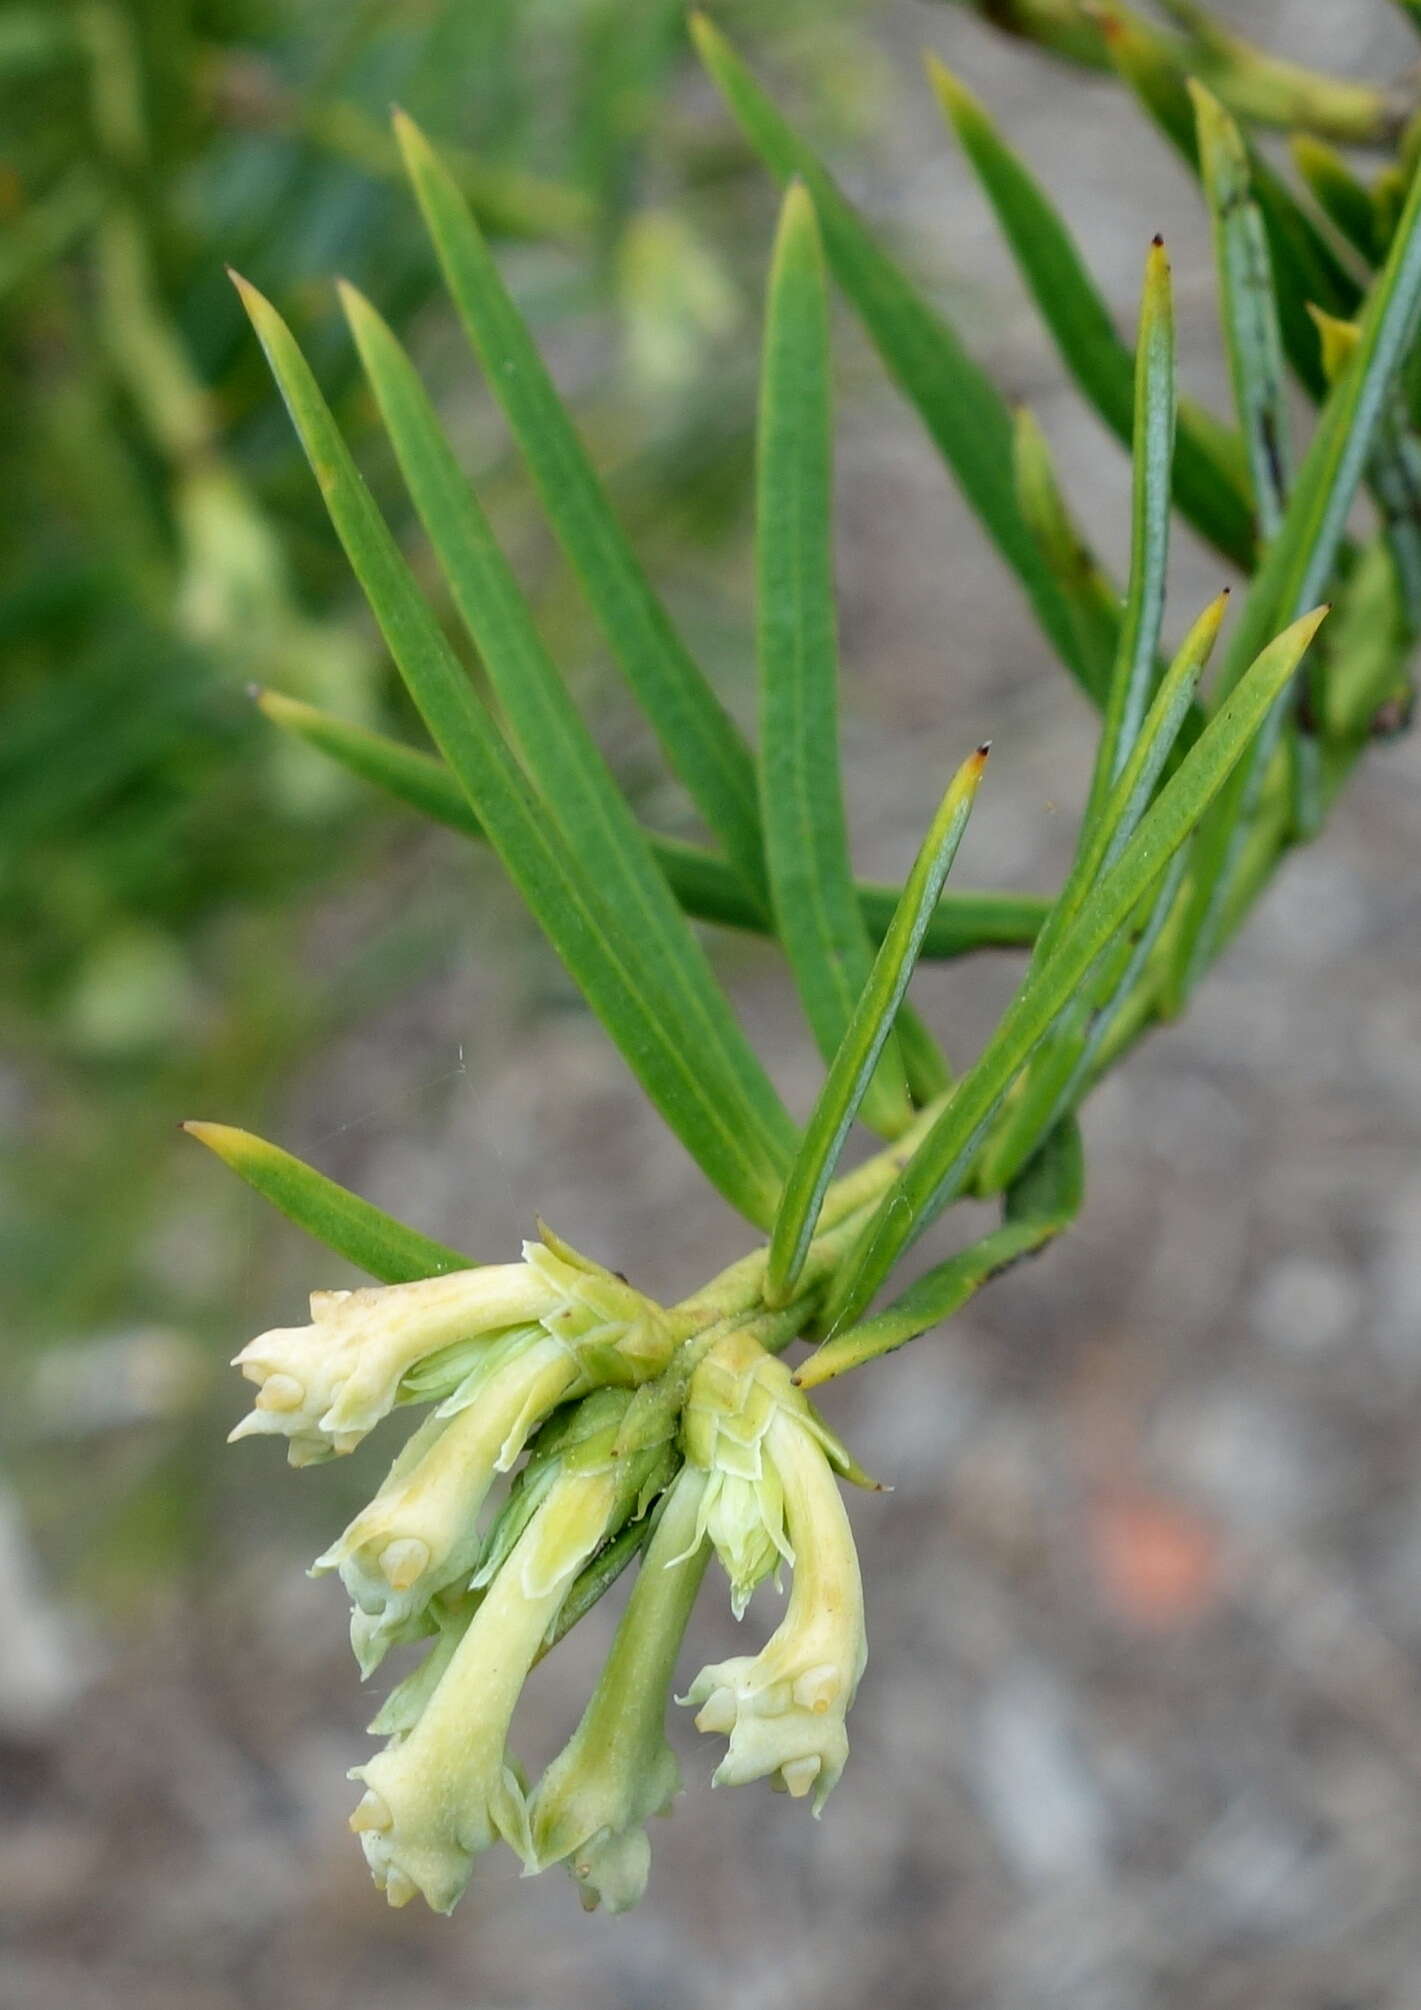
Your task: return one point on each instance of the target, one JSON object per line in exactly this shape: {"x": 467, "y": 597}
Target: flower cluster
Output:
{"x": 626, "y": 1431}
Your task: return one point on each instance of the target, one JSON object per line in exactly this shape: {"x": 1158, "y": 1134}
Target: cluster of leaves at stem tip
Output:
{"x": 631, "y": 1431}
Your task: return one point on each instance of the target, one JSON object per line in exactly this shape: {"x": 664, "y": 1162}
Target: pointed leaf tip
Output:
{"x": 220, "y": 1138}
{"x": 249, "y": 294}
{"x": 798, "y": 217}
{"x": 355, "y": 1229}
{"x": 953, "y": 95}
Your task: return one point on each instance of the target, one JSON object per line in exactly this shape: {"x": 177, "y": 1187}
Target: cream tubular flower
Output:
{"x": 420, "y": 1534}
{"x": 783, "y": 1709}
{"x": 326, "y": 1385}
{"x": 592, "y": 1805}
{"x": 446, "y": 1789}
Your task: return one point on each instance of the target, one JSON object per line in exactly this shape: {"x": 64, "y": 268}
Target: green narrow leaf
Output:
{"x": 419, "y": 780}
{"x": 507, "y": 201}
{"x": 1300, "y": 565}
{"x": 706, "y": 886}
{"x": 1339, "y": 194}
{"x": 1105, "y": 836}
{"x": 701, "y": 740}
{"x": 1207, "y": 488}
{"x": 1394, "y": 471}
{"x": 1091, "y": 597}
{"x": 559, "y": 754}
{"x": 372, "y": 1240}
{"x": 552, "y": 881}
{"x": 1063, "y": 1068}
{"x": 1060, "y": 1065}
{"x": 1368, "y": 688}
{"x": 935, "y": 1171}
{"x": 962, "y": 409}
{"x": 1248, "y": 306}
{"x": 811, "y": 882}
{"x": 1043, "y": 1202}
{"x": 1305, "y": 267}
{"x": 1133, "y": 676}
{"x": 853, "y": 1065}
{"x": 1396, "y": 484}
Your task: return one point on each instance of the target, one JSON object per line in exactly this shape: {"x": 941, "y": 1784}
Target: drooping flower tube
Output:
{"x": 445, "y": 1787}
{"x": 783, "y": 1709}
{"x": 592, "y": 1804}
{"x": 325, "y": 1386}
{"x": 420, "y": 1534}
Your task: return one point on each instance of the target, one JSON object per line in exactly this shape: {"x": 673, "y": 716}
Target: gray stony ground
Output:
{"x": 1141, "y": 1728}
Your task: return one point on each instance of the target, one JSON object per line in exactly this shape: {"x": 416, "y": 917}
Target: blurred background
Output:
{"x": 1142, "y": 1722}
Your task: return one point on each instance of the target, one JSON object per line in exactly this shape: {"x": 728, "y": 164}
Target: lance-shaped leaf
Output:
{"x": 1394, "y": 471}
{"x": 559, "y": 754}
{"x": 1132, "y": 679}
{"x": 1305, "y": 267}
{"x": 1300, "y": 564}
{"x": 716, "y": 1126}
{"x": 508, "y": 201}
{"x": 363, "y": 1234}
{"x": 1105, "y": 836}
{"x": 1368, "y": 688}
{"x": 1061, "y": 1065}
{"x": 811, "y": 880}
{"x": 701, "y": 740}
{"x": 1207, "y": 486}
{"x": 706, "y": 886}
{"x": 1064, "y": 1066}
{"x": 1045, "y": 1200}
{"x": 938, "y": 1167}
{"x": 1248, "y": 307}
{"x": 852, "y": 1067}
{"x": 1092, "y": 598}
{"x": 964, "y": 413}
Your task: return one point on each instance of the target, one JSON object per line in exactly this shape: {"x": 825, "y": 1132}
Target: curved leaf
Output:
{"x": 811, "y": 880}
{"x": 1207, "y": 488}
{"x": 965, "y": 414}
{"x": 558, "y": 752}
{"x": 353, "y": 1227}
{"x": 701, "y": 740}
{"x": 852, "y": 1067}
{"x": 643, "y": 1022}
